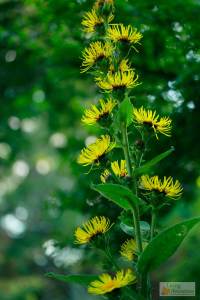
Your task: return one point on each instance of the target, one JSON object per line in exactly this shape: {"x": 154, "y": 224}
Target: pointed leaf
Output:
{"x": 123, "y": 115}
{"x": 126, "y": 111}
{"x": 80, "y": 279}
{"x": 164, "y": 245}
{"x": 117, "y": 193}
{"x": 143, "y": 169}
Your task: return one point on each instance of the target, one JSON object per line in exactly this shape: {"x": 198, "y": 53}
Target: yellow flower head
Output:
{"x": 99, "y": 3}
{"x": 96, "y": 52}
{"x": 104, "y": 176}
{"x": 121, "y": 33}
{"x": 124, "y": 66}
{"x": 95, "y": 114}
{"x": 129, "y": 249}
{"x": 91, "y": 20}
{"x": 92, "y": 228}
{"x": 96, "y": 151}
{"x": 107, "y": 284}
{"x": 119, "y": 169}
{"x": 118, "y": 80}
{"x": 149, "y": 118}
{"x": 166, "y": 187}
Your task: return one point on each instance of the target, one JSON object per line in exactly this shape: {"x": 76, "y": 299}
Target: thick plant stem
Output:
{"x": 126, "y": 149}
{"x": 145, "y": 287}
{"x": 136, "y": 219}
{"x": 135, "y": 209}
{"x": 153, "y": 222}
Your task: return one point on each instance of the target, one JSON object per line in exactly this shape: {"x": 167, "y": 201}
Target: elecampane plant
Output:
{"x": 125, "y": 181}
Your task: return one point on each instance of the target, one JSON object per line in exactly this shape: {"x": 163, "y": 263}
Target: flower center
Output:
{"x": 150, "y": 124}
{"x": 164, "y": 193}
{"x": 123, "y": 174}
{"x": 98, "y": 24}
{"x": 94, "y": 235}
{"x": 124, "y": 39}
{"x": 99, "y": 158}
{"x": 100, "y": 57}
{"x": 119, "y": 86}
{"x": 103, "y": 115}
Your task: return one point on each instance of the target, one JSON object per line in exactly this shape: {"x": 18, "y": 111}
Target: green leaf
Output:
{"x": 117, "y": 193}
{"x": 143, "y": 169}
{"x": 125, "y": 113}
{"x": 164, "y": 245}
{"x": 80, "y": 279}
{"x": 128, "y": 228}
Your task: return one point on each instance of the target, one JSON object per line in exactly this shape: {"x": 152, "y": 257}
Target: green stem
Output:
{"x": 146, "y": 287}
{"x": 136, "y": 219}
{"x": 153, "y": 222}
{"x": 126, "y": 149}
{"x": 135, "y": 208}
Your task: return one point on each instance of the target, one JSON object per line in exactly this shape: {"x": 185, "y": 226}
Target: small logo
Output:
{"x": 165, "y": 291}
{"x": 177, "y": 289}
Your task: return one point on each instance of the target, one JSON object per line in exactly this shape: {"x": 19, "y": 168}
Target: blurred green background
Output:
{"x": 44, "y": 194}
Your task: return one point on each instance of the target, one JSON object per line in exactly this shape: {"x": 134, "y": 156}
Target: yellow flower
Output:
{"x": 95, "y": 114}
{"x": 166, "y": 187}
{"x": 129, "y": 249}
{"x": 94, "y": 54}
{"x": 96, "y": 151}
{"x": 119, "y": 32}
{"x": 118, "y": 80}
{"x": 119, "y": 169}
{"x": 107, "y": 284}
{"x": 104, "y": 176}
{"x": 99, "y": 3}
{"x": 149, "y": 117}
{"x": 91, "y": 20}
{"x": 124, "y": 66}
{"x": 92, "y": 228}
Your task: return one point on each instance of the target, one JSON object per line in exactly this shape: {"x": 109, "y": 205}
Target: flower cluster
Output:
{"x": 108, "y": 59}
{"x": 89, "y": 231}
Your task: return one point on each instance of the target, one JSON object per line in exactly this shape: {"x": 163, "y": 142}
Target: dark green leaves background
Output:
{"x": 44, "y": 194}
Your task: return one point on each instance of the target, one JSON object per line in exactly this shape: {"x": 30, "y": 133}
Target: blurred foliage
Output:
{"x": 44, "y": 194}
